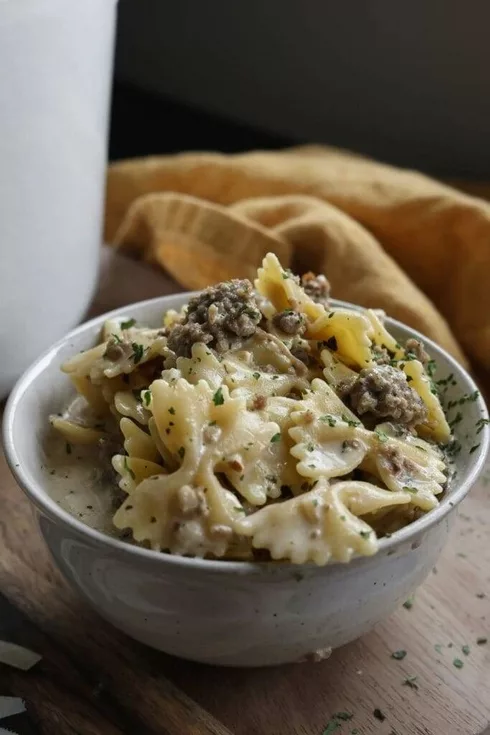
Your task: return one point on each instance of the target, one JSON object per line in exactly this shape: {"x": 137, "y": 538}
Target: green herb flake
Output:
{"x": 68, "y": 447}
{"x": 333, "y": 725}
{"x": 399, "y": 655}
{"x": 438, "y": 647}
{"x": 240, "y": 509}
{"x": 344, "y": 716}
{"x": 218, "y": 399}
{"x": 212, "y": 423}
{"x": 411, "y": 681}
{"x": 431, "y": 368}
{"x": 276, "y": 438}
{"x": 181, "y": 452}
{"x": 328, "y": 419}
{"x": 310, "y": 447}
{"x": 128, "y": 324}
{"x": 128, "y": 469}
{"x": 458, "y": 663}
{"x": 408, "y": 604}
{"x": 256, "y": 375}
{"x": 481, "y": 641}
{"x": 350, "y": 422}
{"x": 147, "y": 397}
{"x": 138, "y": 351}
{"x": 409, "y": 489}
{"x": 379, "y": 715}
{"x": 116, "y": 338}
{"x": 466, "y": 650}
{"x": 382, "y": 436}
{"x": 474, "y": 448}
{"x": 171, "y": 410}
{"x": 364, "y": 534}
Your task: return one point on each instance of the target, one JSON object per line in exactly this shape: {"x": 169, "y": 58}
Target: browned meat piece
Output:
{"x": 222, "y": 316}
{"x": 415, "y": 347}
{"x": 117, "y": 348}
{"x": 290, "y": 322}
{"x": 317, "y": 288}
{"x": 381, "y": 355}
{"x": 383, "y": 392}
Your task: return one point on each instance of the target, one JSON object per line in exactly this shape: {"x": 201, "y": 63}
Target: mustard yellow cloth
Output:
{"x": 385, "y": 237}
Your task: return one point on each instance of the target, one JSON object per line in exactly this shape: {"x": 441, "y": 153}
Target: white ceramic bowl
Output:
{"x": 229, "y": 613}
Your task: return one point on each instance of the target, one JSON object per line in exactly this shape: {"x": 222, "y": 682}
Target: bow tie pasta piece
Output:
{"x": 321, "y": 400}
{"x": 347, "y": 333}
{"x": 76, "y": 433}
{"x": 382, "y": 338}
{"x": 203, "y": 365}
{"x": 183, "y": 519}
{"x": 126, "y": 404}
{"x": 322, "y": 525}
{"x": 335, "y": 371}
{"x": 436, "y": 426}
{"x": 283, "y": 291}
{"x": 404, "y": 467}
{"x": 137, "y": 442}
{"x": 134, "y": 470}
{"x": 327, "y": 450}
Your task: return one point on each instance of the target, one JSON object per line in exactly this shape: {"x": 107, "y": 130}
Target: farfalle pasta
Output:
{"x": 260, "y": 422}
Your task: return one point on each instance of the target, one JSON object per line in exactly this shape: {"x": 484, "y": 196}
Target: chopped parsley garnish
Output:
{"x": 481, "y": 641}
{"x": 411, "y": 681}
{"x": 399, "y": 655}
{"x": 379, "y": 715}
{"x": 256, "y": 375}
{"x": 438, "y": 647}
{"x": 382, "y": 436}
{"x": 68, "y": 447}
{"x": 128, "y": 324}
{"x": 333, "y": 725}
{"x": 240, "y": 509}
{"x": 343, "y": 716}
{"x": 365, "y": 534}
{"x": 431, "y": 368}
{"x": 128, "y": 469}
{"x": 116, "y": 338}
{"x": 408, "y": 604}
{"x": 474, "y": 448}
{"x": 218, "y": 399}
{"x": 181, "y": 452}
{"x": 481, "y": 423}
{"x": 212, "y": 423}
{"x": 332, "y": 344}
{"x": 147, "y": 397}
{"x": 456, "y": 419}
{"x": 349, "y": 421}
{"x": 310, "y": 447}
{"x": 458, "y": 663}
{"x": 276, "y": 438}
{"x": 287, "y": 273}
{"x": 327, "y": 418}
{"x": 171, "y": 410}
{"x": 138, "y": 351}
{"x": 466, "y": 650}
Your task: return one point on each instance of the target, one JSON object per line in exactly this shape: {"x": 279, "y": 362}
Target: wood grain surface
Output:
{"x": 95, "y": 681}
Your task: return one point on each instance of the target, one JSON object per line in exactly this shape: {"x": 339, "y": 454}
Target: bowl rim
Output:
{"x": 48, "y": 507}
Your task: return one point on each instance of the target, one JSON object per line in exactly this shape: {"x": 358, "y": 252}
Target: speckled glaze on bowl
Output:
{"x": 218, "y": 612}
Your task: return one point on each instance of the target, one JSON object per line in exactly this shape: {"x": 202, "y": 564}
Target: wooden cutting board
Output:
{"x": 95, "y": 681}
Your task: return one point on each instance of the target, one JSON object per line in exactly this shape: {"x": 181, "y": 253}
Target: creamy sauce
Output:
{"x": 80, "y": 478}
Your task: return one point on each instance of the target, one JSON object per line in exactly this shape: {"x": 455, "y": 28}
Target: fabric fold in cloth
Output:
{"x": 386, "y": 238}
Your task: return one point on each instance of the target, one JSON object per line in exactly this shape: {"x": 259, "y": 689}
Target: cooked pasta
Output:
{"x": 260, "y": 423}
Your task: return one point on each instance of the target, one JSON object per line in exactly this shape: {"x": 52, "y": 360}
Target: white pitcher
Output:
{"x": 55, "y": 79}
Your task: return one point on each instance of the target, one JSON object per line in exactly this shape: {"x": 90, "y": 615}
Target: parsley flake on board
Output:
{"x": 408, "y": 604}
{"x": 218, "y": 399}
{"x": 399, "y": 655}
{"x": 128, "y": 324}
{"x": 481, "y": 641}
{"x": 411, "y": 681}
{"x": 379, "y": 715}
{"x": 458, "y": 663}
{"x": 466, "y": 650}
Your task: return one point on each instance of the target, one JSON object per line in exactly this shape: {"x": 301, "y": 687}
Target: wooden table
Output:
{"x": 95, "y": 681}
